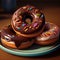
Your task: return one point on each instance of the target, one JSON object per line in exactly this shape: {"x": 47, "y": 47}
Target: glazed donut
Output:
{"x": 0, "y": 34}
{"x": 28, "y": 21}
{"x": 11, "y": 40}
{"x": 49, "y": 36}
{"x": 0, "y": 37}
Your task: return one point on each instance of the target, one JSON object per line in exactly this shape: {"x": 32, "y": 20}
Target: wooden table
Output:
{"x": 52, "y": 14}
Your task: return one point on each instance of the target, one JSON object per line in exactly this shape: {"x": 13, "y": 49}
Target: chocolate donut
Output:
{"x": 49, "y": 36}
{"x": 10, "y": 39}
{"x": 0, "y": 37}
{"x": 28, "y": 21}
{"x": 0, "y": 34}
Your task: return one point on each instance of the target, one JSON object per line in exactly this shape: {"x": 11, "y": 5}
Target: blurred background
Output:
{"x": 12, "y": 5}
{"x": 51, "y": 9}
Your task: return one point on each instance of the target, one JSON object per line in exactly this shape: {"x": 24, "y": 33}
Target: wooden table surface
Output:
{"x": 52, "y": 14}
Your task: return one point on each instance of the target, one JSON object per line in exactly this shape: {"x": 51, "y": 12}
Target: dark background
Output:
{"x": 37, "y": 3}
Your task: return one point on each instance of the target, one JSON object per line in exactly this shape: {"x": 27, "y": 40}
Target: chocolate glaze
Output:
{"x": 33, "y": 14}
{"x": 0, "y": 37}
{"x": 0, "y": 34}
{"x": 8, "y": 34}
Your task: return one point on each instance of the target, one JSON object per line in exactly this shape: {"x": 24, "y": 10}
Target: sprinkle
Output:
{"x": 38, "y": 14}
{"x": 26, "y": 29}
{"x": 30, "y": 8}
{"x": 18, "y": 28}
{"x": 42, "y": 16}
{"x": 7, "y": 38}
{"x": 49, "y": 33}
{"x": 45, "y": 35}
{"x": 23, "y": 24}
{"x": 8, "y": 35}
{"x": 35, "y": 24}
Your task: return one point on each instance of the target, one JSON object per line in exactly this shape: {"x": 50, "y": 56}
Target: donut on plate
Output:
{"x": 11, "y": 40}
{"x": 49, "y": 36}
{"x": 28, "y": 21}
{"x": 0, "y": 34}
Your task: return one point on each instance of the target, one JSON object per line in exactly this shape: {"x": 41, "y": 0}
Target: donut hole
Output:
{"x": 27, "y": 18}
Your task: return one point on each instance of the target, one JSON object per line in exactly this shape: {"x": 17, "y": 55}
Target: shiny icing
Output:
{"x": 27, "y": 16}
{"x": 53, "y": 32}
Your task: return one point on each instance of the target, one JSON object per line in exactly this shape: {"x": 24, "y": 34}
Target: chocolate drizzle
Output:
{"x": 8, "y": 34}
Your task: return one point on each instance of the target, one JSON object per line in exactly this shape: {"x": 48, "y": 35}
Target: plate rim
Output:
{"x": 28, "y": 54}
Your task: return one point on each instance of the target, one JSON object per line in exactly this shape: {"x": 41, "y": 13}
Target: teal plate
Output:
{"x": 34, "y": 50}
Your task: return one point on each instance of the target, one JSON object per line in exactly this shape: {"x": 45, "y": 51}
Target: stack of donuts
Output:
{"x": 28, "y": 26}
